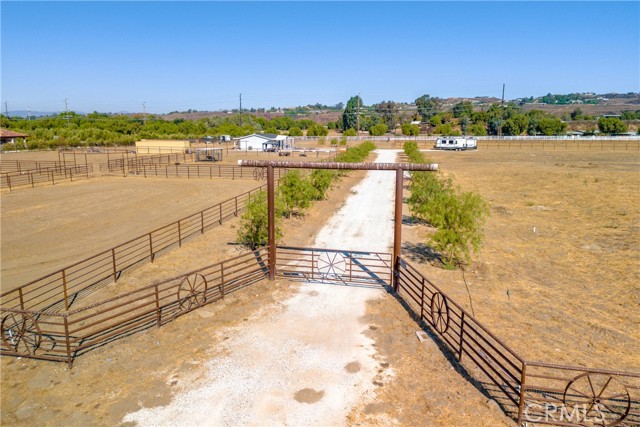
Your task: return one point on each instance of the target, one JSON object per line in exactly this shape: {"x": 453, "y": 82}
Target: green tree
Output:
{"x": 577, "y": 114}
{"x": 295, "y": 131}
{"x": 551, "y": 126}
{"x": 254, "y": 222}
{"x": 350, "y": 132}
{"x": 409, "y": 129}
{"x": 295, "y": 193}
{"x": 477, "y": 129}
{"x": 427, "y": 107}
{"x": 351, "y": 112}
{"x": 378, "y": 130}
{"x": 463, "y": 109}
{"x": 611, "y": 125}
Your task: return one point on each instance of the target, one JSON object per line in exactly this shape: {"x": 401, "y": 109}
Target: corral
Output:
{"x": 504, "y": 272}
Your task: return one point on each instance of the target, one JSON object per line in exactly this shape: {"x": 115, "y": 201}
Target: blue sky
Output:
{"x": 113, "y": 56}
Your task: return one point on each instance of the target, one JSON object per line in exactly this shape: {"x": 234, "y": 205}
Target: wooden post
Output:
{"x": 397, "y": 226}
{"x": 271, "y": 218}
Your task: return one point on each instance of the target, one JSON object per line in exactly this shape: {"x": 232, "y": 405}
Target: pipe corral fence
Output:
{"x": 46, "y": 319}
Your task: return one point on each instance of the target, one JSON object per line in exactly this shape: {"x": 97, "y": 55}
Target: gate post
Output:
{"x": 272, "y": 219}
{"x": 397, "y": 226}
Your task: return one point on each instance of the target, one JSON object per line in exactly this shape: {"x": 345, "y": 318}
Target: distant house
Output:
{"x": 263, "y": 142}
{"x": 11, "y": 137}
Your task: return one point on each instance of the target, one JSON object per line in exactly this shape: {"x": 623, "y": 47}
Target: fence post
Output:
{"x": 236, "y": 199}
{"x": 422, "y": 300}
{"x": 158, "y": 307}
{"x": 64, "y": 289}
{"x": 113, "y": 259}
{"x": 31, "y": 178}
{"x": 202, "y": 221}
{"x": 523, "y": 378}
{"x": 179, "y": 235}
{"x": 68, "y": 341}
{"x": 9, "y": 182}
{"x": 461, "y": 336}
{"x": 222, "y": 280}
{"x": 151, "y": 247}
{"x": 21, "y": 298}
{"x": 220, "y": 205}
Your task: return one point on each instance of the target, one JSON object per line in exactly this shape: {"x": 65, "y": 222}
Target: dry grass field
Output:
{"x": 557, "y": 280}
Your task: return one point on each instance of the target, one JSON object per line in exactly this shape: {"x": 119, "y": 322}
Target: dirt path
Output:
{"x": 309, "y": 363}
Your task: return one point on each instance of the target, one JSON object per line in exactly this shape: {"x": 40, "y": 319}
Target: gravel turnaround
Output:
{"x": 306, "y": 361}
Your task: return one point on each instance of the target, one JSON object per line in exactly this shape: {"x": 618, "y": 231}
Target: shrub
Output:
{"x": 350, "y": 132}
{"x": 378, "y": 130}
{"x": 295, "y": 131}
{"x": 295, "y": 193}
{"x": 321, "y": 180}
{"x": 459, "y": 217}
{"x": 254, "y": 222}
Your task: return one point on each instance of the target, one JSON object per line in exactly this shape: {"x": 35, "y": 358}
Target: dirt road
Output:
{"x": 309, "y": 363}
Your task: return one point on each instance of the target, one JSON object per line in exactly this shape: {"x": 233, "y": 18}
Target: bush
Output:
{"x": 321, "y": 180}
{"x": 254, "y": 222}
{"x": 378, "y": 130}
{"x": 409, "y": 129}
{"x": 350, "y": 132}
{"x": 459, "y": 217}
{"x": 295, "y": 131}
{"x": 295, "y": 193}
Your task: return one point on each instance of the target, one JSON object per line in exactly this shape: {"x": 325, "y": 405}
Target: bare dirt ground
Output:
{"x": 49, "y": 227}
{"x": 553, "y": 276}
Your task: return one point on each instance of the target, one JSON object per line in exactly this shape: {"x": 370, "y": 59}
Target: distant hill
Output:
{"x": 25, "y": 114}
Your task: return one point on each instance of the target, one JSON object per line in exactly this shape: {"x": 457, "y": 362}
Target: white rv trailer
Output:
{"x": 456, "y": 143}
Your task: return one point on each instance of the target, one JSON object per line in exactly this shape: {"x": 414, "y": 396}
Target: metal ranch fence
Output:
{"x": 40, "y": 174}
{"x": 45, "y": 327}
{"x": 531, "y": 392}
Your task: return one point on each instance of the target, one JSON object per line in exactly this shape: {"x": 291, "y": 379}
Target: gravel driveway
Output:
{"x": 307, "y": 363}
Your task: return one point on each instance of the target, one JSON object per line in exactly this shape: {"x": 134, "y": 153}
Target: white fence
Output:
{"x": 479, "y": 138}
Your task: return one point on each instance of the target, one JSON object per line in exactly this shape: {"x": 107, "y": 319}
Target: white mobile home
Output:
{"x": 456, "y": 143}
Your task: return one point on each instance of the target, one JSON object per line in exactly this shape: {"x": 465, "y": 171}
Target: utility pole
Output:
{"x": 501, "y": 113}
{"x": 358, "y": 117}
{"x": 29, "y": 113}
{"x": 144, "y": 113}
{"x": 6, "y": 110}
{"x": 66, "y": 111}
{"x": 240, "y": 109}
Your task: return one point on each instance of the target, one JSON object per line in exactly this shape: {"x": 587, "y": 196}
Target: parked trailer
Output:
{"x": 456, "y": 143}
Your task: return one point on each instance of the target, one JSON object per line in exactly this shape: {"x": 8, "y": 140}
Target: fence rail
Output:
{"x": 531, "y": 392}
{"x": 44, "y": 175}
{"x": 204, "y": 171}
{"x": 83, "y": 277}
{"x": 63, "y": 336}
{"x": 354, "y": 267}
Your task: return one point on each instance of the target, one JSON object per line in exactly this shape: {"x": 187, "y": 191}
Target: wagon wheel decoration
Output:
{"x": 21, "y": 333}
{"x": 439, "y": 313}
{"x": 192, "y": 292}
{"x": 604, "y": 400}
{"x": 331, "y": 264}
{"x": 260, "y": 174}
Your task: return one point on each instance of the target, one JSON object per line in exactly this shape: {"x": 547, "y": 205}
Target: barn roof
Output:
{"x": 5, "y": 133}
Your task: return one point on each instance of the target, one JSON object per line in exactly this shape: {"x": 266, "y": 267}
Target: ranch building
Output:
{"x": 264, "y": 142}
{"x": 11, "y": 137}
{"x": 162, "y": 146}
